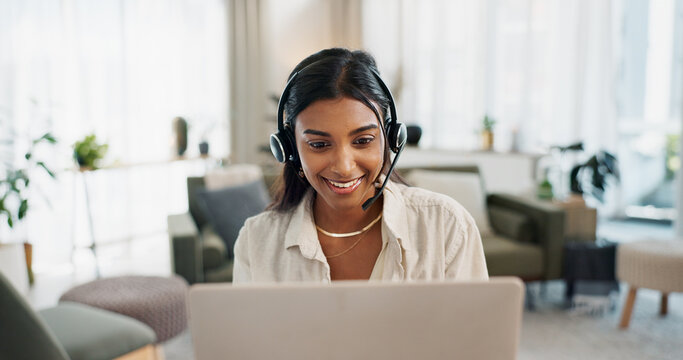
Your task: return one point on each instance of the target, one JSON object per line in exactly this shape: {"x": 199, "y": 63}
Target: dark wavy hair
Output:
{"x": 332, "y": 74}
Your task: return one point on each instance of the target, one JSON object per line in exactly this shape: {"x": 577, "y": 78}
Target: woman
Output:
{"x": 316, "y": 229}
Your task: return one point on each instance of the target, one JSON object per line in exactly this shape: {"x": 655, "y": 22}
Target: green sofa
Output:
{"x": 527, "y": 236}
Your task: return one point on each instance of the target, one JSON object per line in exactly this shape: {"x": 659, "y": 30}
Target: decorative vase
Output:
{"x": 180, "y": 131}
{"x": 487, "y": 140}
{"x": 28, "y": 251}
{"x": 414, "y": 133}
{"x": 204, "y": 148}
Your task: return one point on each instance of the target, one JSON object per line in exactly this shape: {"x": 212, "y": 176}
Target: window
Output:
{"x": 551, "y": 72}
{"x": 122, "y": 70}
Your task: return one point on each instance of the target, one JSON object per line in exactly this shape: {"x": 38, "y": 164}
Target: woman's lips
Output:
{"x": 343, "y": 188}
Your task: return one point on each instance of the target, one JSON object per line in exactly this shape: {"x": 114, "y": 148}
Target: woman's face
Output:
{"x": 341, "y": 148}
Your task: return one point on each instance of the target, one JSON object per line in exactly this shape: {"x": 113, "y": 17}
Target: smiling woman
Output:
{"x": 332, "y": 219}
{"x": 339, "y": 160}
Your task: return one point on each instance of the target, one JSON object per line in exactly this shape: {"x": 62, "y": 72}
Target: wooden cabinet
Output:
{"x": 580, "y": 222}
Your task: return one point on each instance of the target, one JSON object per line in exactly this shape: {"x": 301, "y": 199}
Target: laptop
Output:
{"x": 358, "y": 320}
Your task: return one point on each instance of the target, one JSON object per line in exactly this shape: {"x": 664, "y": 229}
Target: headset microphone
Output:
{"x": 370, "y": 201}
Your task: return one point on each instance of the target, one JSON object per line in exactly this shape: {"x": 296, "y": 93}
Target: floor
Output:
{"x": 149, "y": 255}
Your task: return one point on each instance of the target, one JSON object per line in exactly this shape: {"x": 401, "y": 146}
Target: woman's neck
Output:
{"x": 339, "y": 221}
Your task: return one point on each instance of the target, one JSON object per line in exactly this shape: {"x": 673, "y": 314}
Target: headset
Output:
{"x": 283, "y": 144}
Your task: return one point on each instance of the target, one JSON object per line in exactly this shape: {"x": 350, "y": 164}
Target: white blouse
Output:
{"x": 425, "y": 236}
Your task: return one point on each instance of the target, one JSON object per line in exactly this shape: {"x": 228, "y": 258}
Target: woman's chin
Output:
{"x": 346, "y": 202}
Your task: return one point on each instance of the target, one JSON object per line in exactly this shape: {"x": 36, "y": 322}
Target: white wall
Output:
{"x": 290, "y": 31}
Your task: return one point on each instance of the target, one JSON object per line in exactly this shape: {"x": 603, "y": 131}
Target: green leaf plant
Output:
{"x": 14, "y": 184}
{"x": 88, "y": 152}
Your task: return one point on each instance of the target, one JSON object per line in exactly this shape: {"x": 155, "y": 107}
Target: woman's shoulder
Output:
{"x": 267, "y": 220}
{"x": 420, "y": 199}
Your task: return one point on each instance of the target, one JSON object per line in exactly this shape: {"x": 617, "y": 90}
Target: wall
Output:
{"x": 289, "y": 31}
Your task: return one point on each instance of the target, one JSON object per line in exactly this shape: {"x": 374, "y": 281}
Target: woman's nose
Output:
{"x": 343, "y": 162}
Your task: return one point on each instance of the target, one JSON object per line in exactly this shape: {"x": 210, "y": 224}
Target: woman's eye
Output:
{"x": 365, "y": 141}
{"x": 316, "y": 145}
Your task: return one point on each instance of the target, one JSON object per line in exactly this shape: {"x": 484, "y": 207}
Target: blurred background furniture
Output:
{"x": 581, "y": 221}
{"x": 159, "y": 302}
{"x": 593, "y": 262}
{"x": 522, "y": 237}
{"x": 513, "y": 173}
{"x": 68, "y": 331}
{"x": 13, "y": 266}
{"x": 203, "y": 238}
{"x": 650, "y": 264}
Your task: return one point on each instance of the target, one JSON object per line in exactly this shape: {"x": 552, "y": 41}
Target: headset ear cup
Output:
{"x": 277, "y": 147}
{"x": 396, "y": 136}
{"x": 401, "y": 136}
{"x": 283, "y": 147}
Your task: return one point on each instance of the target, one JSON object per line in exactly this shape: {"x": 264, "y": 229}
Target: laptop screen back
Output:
{"x": 357, "y": 320}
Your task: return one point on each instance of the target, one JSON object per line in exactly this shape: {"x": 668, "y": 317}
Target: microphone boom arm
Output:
{"x": 371, "y": 200}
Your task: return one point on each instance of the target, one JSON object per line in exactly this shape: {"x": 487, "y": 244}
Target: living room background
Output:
{"x": 608, "y": 73}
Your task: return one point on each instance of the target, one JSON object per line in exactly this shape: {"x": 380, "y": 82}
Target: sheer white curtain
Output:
{"x": 554, "y": 72}
{"x": 542, "y": 69}
{"x": 123, "y": 70}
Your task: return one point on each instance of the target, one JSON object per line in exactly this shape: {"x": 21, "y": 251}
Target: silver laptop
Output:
{"x": 358, "y": 320}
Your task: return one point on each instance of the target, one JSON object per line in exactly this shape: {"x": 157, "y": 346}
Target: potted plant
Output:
{"x": 88, "y": 152}
{"x": 593, "y": 176}
{"x": 14, "y": 188}
{"x": 207, "y": 127}
{"x": 487, "y": 133}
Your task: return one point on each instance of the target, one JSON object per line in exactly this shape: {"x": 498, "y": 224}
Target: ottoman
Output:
{"x": 651, "y": 264}
{"x": 156, "y": 301}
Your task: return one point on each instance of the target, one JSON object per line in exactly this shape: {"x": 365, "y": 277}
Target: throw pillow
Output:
{"x": 465, "y": 188}
{"x": 232, "y": 175}
{"x": 512, "y": 224}
{"x": 228, "y": 208}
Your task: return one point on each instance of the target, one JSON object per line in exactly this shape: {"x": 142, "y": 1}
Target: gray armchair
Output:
{"x": 527, "y": 235}
{"x": 202, "y": 239}
{"x": 198, "y": 253}
{"x": 68, "y": 331}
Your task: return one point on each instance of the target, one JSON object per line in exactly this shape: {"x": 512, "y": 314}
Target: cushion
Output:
{"x": 466, "y": 188}
{"x": 506, "y": 257}
{"x": 232, "y": 175}
{"x": 512, "y": 224}
{"x": 90, "y": 333}
{"x": 228, "y": 208}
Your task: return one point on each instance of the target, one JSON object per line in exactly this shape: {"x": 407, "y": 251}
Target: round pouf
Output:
{"x": 156, "y": 301}
{"x": 650, "y": 264}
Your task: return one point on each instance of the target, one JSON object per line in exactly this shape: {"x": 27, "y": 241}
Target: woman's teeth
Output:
{"x": 344, "y": 185}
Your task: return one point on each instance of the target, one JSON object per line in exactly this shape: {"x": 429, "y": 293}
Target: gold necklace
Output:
{"x": 347, "y": 250}
{"x": 354, "y": 233}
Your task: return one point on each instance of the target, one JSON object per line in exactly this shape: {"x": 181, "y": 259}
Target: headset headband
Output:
{"x": 285, "y": 95}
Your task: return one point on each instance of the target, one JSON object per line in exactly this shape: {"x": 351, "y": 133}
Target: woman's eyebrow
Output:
{"x": 363, "y": 128}
{"x": 352, "y": 132}
{"x": 317, "y": 132}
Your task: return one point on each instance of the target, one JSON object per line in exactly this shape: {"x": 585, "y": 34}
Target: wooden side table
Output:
{"x": 580, "y": 224}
